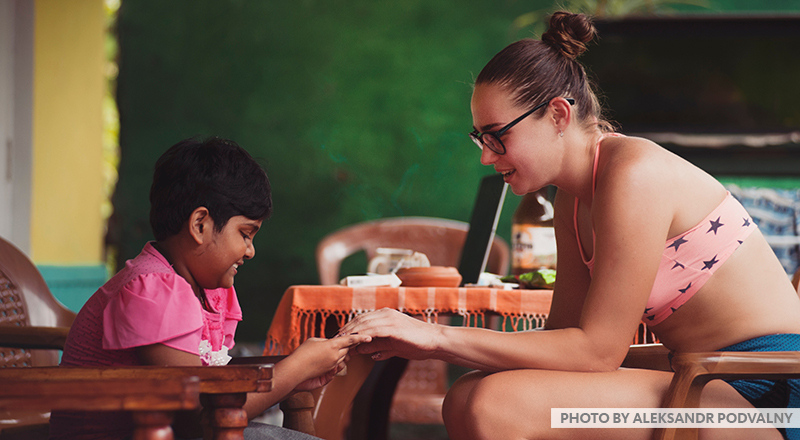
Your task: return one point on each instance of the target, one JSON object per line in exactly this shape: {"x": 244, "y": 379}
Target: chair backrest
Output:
{"x": 25, "y": 300}
{"x": 440, "y": 239}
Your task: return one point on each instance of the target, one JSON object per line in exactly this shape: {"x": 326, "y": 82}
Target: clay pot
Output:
{"x": 434, "y": 276}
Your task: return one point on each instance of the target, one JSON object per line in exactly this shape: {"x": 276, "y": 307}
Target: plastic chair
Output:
{"x": 34, "y": 326}
{"x": 440, "y": 239}
{"x": 421, "y": 390}
{"x": 29, "y": 314}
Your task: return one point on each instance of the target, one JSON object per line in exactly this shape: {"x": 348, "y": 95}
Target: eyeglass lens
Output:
{"x": 490, "y": 141}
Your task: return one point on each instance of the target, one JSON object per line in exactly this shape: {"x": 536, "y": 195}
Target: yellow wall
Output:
{"x": 66, "y": 222}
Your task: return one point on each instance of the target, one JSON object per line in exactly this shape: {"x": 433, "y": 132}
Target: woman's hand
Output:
{"x": 393, "y": 334}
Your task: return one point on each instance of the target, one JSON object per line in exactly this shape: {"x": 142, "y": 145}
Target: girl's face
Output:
{"x": 526, "y": 164}
{"x": 226, "y": 251}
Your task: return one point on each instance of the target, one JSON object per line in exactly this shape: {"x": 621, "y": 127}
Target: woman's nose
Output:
{"x": 488, "y": 156}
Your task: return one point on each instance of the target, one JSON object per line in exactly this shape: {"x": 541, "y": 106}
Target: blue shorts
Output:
{"x": 783, "y": 393}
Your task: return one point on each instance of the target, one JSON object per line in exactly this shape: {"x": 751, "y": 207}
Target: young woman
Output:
{"x": 642, "y": 235}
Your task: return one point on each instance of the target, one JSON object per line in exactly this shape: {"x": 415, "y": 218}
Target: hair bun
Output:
{"x": 569, "y": 33}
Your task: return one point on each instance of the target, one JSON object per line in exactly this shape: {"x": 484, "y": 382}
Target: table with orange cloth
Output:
{"x": 303, "y": 309}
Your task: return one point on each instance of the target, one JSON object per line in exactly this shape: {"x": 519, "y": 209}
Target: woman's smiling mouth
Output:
{"x": 507, "y": 174}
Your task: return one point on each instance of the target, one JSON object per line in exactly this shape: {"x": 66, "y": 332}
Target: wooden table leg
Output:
{"x": 152, "y": 425}
{"x": 297, "y": 412}
{"x": 223, "y": 416}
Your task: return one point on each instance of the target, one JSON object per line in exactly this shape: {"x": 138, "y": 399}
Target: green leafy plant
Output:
{"x": 538, "y": 279}
{"x": 603, "y": 8}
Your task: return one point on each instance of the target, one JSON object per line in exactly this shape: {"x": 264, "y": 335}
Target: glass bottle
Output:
{"x": 533, "y": 239}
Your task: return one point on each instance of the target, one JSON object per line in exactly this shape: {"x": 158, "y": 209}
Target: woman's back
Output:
{"x": 748, "y": 295}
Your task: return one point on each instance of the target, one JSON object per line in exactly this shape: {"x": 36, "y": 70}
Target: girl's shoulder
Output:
{"x": 150, "y": 308}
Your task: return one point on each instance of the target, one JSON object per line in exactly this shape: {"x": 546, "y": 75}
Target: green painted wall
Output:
{"x": 359, "y": 110}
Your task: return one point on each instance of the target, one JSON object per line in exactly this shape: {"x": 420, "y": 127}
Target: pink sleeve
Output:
{"x": 150, "y": 309}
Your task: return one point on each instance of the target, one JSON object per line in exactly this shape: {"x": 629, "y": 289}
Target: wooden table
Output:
{"x": 304, "y": 312}
{"x": 223, "y": 390}
{"x": 151, "y": 402}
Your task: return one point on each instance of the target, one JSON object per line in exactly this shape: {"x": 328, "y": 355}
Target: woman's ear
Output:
{"x": 200, "y": 224}
{"x": 562, "y": 114}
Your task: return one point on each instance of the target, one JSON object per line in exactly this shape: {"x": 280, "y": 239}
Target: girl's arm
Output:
{"x": 312, "y": 365}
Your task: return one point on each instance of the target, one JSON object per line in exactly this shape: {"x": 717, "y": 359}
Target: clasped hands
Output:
{"x": 392, "y": 333}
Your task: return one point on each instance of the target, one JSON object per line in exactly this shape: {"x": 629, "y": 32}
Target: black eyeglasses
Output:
{"x": 491, "y": 139}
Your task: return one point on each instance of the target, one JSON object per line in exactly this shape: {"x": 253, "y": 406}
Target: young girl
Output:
{"x": 642, "y": 235}
{"x": 174, "y": 304}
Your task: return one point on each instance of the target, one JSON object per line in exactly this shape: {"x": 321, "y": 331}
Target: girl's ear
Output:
{"x": 200, "y": 224}
{"x": 562, "y": 113}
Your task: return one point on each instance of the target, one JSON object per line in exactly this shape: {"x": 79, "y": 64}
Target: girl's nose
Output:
{"x": 251, "y": 251}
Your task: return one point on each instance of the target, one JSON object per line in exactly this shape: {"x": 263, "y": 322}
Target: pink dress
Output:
{"x": 145, "y": 303}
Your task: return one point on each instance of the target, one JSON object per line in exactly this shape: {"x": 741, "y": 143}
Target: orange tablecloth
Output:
{"x": 303, "y": 308}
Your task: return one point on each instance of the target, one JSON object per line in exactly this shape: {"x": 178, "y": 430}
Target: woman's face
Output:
{"x": 527, "y": 163}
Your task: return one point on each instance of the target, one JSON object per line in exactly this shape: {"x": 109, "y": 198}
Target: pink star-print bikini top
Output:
{"x": 689, "y": 259}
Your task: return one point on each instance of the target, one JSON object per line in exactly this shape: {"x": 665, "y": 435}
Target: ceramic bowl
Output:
{"x": 434, "y": 276}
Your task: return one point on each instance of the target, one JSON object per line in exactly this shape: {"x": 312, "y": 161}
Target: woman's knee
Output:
{"x": 457, "y": 399}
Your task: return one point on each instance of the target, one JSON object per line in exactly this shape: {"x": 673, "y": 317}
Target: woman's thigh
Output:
{"x": 516, "y": 404}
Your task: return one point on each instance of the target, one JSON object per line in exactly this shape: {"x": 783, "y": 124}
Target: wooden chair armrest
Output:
{"x": 648, "y": 356}
{"x": 30, "y": 337}
{"x": 694, "y": 370}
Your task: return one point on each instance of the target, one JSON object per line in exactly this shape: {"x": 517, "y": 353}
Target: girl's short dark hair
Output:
{"x": 215, "y": 173}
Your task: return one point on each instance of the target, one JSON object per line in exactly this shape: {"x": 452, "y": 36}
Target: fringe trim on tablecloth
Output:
{"x": 310, "y": 323}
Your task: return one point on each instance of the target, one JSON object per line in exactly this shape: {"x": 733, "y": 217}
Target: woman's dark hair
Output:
{"x": 536, "y": 71}
{"x": 215, "y": 173}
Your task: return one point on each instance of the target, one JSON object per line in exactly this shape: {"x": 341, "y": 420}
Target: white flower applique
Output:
{"x": 213, "y": 358}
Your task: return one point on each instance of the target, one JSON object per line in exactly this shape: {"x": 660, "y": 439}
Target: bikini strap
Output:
{"x": 594, "y": 185}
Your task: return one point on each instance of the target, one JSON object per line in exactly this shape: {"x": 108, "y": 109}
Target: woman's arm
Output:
{"x": 631, "y": 218}
{"x": 572, "y": 280}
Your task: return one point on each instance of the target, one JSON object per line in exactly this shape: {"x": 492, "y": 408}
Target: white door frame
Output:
{"x": 16, "y": 116}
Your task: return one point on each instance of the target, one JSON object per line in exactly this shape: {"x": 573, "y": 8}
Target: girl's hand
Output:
{"x": 394, "y": 334}
{"x": 320, "y": 359}
{"x": 316, "y": 382}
